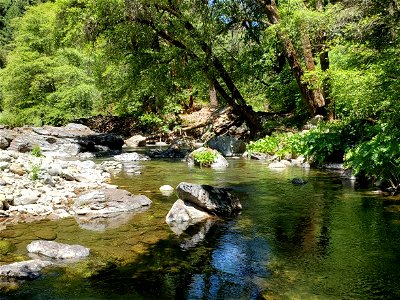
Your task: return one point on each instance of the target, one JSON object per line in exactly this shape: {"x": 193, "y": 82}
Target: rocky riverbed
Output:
{"x": 33, "y": 187}
{"x": 45, "y": 172}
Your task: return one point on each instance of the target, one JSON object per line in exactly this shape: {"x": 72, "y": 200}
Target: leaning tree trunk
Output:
{"x": 212, "y": 67}
{"x": 232, "y": 95}
{"x": 313, "y": 98}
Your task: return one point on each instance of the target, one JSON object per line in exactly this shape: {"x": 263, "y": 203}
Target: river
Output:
{"x": 321, "y": 240}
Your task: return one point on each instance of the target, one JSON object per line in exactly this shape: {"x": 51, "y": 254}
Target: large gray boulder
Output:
{"x": 216, "y": 201}
{"x": 29, "y": 269}
{"x": 105, "y": 202}
{"x": 58, "y": 250}
{"x": 227, "y": 145}
{"x": 67, "y": 141}
{"x": 6, "y": 136}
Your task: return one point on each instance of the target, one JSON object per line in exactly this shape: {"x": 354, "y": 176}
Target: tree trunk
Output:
{"x": 317, "y": 100}
{"x": 234, "y": 98}
{"x": 213, "y": 96}
{"x": 323, "y": 52}
{"x": 313, "y": 98}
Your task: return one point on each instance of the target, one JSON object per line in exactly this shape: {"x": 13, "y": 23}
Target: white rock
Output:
{"x": 61, "y": 213}
{"x": 183, "y": 214}
{"x": 29, "y": 269}
{"x": 27, "y": 196}
{"x": 131, "y": 156}
{"x": 166, "y": 190}
{"x": 4, "y": 165}
{"x": 166, "y": 187}
{"x": 136, "y": 141}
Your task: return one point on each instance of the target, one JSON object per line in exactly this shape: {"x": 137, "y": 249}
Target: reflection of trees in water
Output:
{"x": 225, "y": 265}
{"x": 301, "y": 221}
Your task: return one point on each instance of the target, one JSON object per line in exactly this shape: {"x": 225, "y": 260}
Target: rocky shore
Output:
{"x": 44, "y": 171}
{"x": 45, "y": 187}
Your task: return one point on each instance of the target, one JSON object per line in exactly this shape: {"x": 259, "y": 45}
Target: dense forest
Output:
{"x": 66, "y": 59}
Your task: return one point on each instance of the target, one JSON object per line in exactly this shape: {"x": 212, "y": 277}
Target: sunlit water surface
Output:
{"x": 323, "y": 240}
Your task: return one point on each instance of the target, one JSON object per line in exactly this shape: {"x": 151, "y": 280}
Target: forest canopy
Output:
{"x": 66, "y": 59}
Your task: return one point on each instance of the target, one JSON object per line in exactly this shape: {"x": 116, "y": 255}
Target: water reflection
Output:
{"x": 322, "y": 240}
{"x": 237, "y": 265}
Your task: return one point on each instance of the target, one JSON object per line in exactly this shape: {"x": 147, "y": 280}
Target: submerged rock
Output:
{"x": 6, "y": 247}
{"x": 299, "y": 181}
{"x": 58, "y": 250}
{"x": 217, "y": 201}
{"x": 109, "y": 201}
{"x": 29, "y": 269}
{"x": 101, "y": 223}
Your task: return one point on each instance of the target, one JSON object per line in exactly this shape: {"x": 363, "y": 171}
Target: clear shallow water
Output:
{"x": 322, "y": 240}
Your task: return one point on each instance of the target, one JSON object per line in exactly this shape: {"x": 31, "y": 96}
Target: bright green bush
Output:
{"x": 36, "y": 151}
{"x": 378, "y": 158}
{"x": 322, "y": 143}
{"x": 283, "y": 145}
{"x": 267, "y": 145}
{"x": 328, "y": 142}
{"x": 205, "y": 157}
{"x": 35, "y": 169}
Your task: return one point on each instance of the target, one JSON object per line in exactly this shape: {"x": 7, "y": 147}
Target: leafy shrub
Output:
{"x": 378, "y": 158}
{"x": 327, "y": 142}
{"x": 283, "y": 145}
{"x": 36, "y": 151}
{"x": 150, "y": 121}
{"x": 322, "y": 143}
{"x": 205, "y": 157}
{"x": 267, "y": 145}
{"x": 35, "y": 169}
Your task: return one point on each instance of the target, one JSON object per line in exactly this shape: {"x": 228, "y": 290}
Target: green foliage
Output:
{"x": 327, "y": 142}
{"x": 283, "y": 145}
{"x": 43, "y": 83}
{"x": 205, "y": 157}
{"x": 378, "y": 158}
{"x": 36, "y": 151}
{"x": 267, "y": 145}
{"x": 150, "y": 121}
{"x": 35, "y": 169}
{"x": 324, "y": 142}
